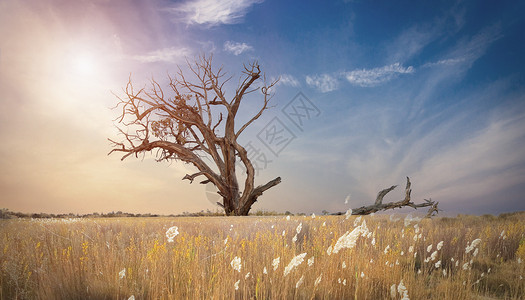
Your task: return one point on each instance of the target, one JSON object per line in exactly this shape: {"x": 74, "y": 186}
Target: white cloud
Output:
{"x": 236, "y": 48}
{"x": 376, "y": 76}
{"x": 163, "y": 55}
{"x": 289, "y": 80}
{"x": 444, "y": 62}
{"x": 214, "y": 12}
{"x": 324, "y": 82}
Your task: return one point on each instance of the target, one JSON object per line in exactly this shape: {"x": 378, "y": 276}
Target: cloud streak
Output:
{"x": 170, "y": 55}
{"x": 324, "y": 83}
{"x": 363, "y": 78}
{"x": 213, "y": 12}
{"x": 236, "y": 48}
{"x": 376, "y": 76}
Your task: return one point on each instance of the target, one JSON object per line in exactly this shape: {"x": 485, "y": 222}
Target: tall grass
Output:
{"x": 391, "y": 259}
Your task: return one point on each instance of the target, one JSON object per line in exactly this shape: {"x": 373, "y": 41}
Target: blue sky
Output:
{"x": 433, "y": 90}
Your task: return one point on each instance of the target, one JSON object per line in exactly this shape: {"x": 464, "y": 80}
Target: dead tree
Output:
{"x": 379, "y": 205}
{"x": 195, "y": 123}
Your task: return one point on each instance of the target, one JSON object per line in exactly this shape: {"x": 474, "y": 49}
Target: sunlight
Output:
{"x": 84, "y": 64}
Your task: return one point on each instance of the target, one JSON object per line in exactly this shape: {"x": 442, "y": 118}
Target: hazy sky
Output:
{"x": 433, "y": 90}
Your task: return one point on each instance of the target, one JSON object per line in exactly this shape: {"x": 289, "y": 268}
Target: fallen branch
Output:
{"x": 379, "y": 205}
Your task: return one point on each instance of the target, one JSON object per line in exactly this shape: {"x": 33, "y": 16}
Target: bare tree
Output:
{"x": 379, "y": 205}
{"x": 195, "y": 123}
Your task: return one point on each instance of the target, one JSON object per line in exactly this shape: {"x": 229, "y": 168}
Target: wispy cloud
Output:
{"x": 236, "y": 48}
{"x": 363, "y": 78}
{"x": 213, "y": 12}
{"x": 288, "y": 80}
{"x": 444, "y": 62}
{"x": 163, "y": 55}
{"x": 376, "y": 76}
{"x": 324, "y": 82}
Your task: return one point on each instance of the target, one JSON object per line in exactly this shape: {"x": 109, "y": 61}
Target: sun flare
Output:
{"x": 84, "y": 64}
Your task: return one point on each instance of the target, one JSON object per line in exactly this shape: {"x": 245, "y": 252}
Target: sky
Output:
{"x": 433, "y": 90}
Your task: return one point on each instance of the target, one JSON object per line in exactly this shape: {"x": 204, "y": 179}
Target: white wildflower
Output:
{"x": 324, "y": 224}
{"x": 472, "y": 245}
{"x": 429, "y": 248}
{"x": 347, "y": 198}
{"x": 236, "y": 285}
{"x": 444, "y": 273}
{"x": 475, "y": 252}
{"x": 275, "y": 263}
{"x": 343, "y": 265}
{"x": 438, "y": 265}
{"x": 318, "y": 280}
{"x": 408, "y": 220}
{"x": 310, "y": 261}
{"x": 299, "y": 227}
{"x": 236, "y": 263}
{"x": 419, "y": 271}
{"x": 433, "y": 256}
{"x": 344, "y": 282}
{"x": 247, "y": 275}
{"x": 386, "y": 249}
{"x": 371, "y": 261}
{"x": 415, "y": 237}
{"x": 402, "y": 290}
{"x": 348, "y": 213}
{"x": 225, "y": 240}
{"x": 392, "y": 219}
{"x": 265, "y": 271}
{"x": 402, "y": 253}
{"x": 294, "y": 239}
{"x": 313, "y": 216}
{"x": 373, "y": 241}
{"x": 349, "y": 239}
{"x": 329, "y": 250}
{"x": 420, "y": 236}
{"x": 294, "y": 263}
{"x": 122, "y": 273}
{"x": 299, "y": 282}
{"x": 519, "y": 260}
{"x": 457, "y": 263}
{"x": 284, "y": 232}
{"x": 287, "y": 218}
{"x": 482, "y": 274}
{"x": 488, "y": 271}
{"x": 132, "y": 297}
{"x": 362, "y": 275}
{"x": 357, "y": 220}
{"x": 465, "y": 266}
{"x": 393, "y": 293}
{"x": 410, "y": 249}
{"x": 397, "y": 262}
{"x": 171, "y": 233}
{"x": 439, "y": 245}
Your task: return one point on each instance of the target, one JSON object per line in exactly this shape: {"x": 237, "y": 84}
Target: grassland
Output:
{"x": 236, "y": 258}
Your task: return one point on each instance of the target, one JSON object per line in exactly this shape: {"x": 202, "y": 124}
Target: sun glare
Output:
{"x": 84, "y": 64}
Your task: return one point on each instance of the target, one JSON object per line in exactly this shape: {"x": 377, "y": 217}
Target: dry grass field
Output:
{"x": 327, "y": 257}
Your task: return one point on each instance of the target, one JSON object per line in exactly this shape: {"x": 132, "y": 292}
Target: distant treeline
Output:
{"x": 6, "y": 214}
